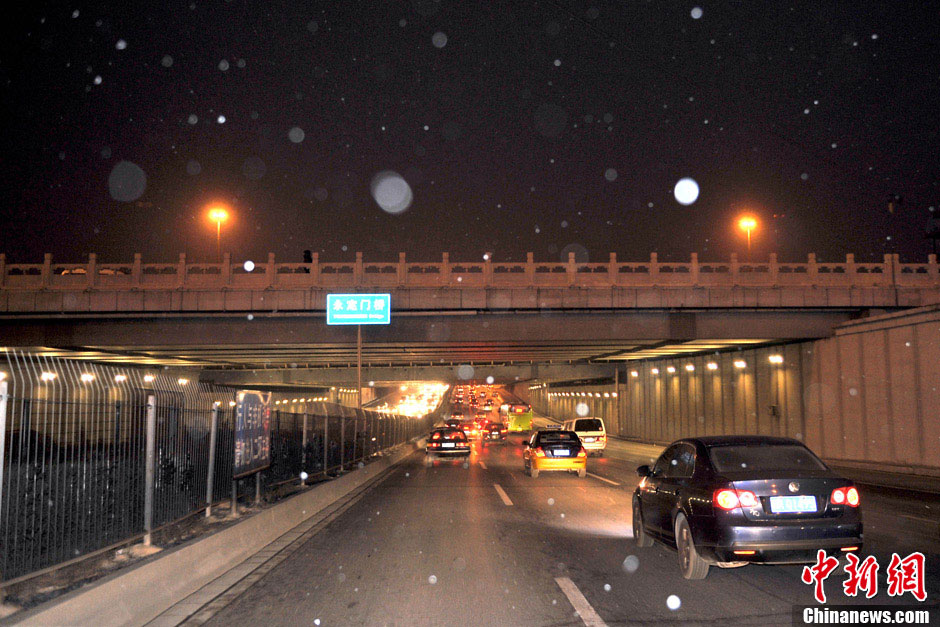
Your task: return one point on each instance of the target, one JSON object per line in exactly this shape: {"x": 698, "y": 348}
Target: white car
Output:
{"x": 591, "y": 431}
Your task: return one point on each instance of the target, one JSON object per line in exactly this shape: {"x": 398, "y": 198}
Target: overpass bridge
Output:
{"x": 252, "y": 315}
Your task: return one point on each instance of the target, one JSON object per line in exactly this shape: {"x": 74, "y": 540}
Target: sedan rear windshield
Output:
{"x": 763, "y": 457}
{"x": 449, "y": 434}
{"x": 562, "y": 436}
{"x": 588, "y": 424}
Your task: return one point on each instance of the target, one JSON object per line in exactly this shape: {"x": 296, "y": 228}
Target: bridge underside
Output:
{"x": 433, "y": 340}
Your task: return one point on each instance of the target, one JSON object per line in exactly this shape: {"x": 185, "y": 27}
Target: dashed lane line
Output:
{"x": 591, "y": 474}
{"x": 580, "y": 604}
{"x": 482, "y": 464}
{"x": 502, "y": 494}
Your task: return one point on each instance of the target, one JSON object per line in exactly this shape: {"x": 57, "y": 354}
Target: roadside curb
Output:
{"x": 142, "y": 592}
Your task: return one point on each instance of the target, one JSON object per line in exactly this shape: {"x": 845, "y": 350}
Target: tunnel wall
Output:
{"x": 866, "y": 396}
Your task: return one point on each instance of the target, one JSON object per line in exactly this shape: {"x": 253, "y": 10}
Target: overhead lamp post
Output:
{"x": 218, "y": 215}
{"x": 747, "y": 224}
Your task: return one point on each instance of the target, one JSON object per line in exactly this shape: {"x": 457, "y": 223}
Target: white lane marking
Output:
{"x": 482, "y": 465}
{"x": 502, "y": 494}
{"x": 591, "y": 474}
{"x": 584, "y": 609}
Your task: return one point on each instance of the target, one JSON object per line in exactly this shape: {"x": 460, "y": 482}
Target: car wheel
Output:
{"x": 690, "y": 562}
{"x": 640, "y": 536}
{"x": 534, "y": 473}
{"x": 582, "y": 472}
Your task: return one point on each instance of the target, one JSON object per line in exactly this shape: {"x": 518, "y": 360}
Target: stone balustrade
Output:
{"x": 361, "y": 274}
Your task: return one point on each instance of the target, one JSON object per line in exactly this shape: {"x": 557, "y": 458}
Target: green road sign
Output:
{"x": 358, "y": 308}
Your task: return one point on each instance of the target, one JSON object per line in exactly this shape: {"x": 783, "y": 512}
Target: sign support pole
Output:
{"x": 359, "y": 365}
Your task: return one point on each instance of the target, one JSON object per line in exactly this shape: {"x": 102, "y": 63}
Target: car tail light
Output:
{"x": 745, "y": 552}
{"x": 840, "y": 496}
{"x": 851, "y": 497}
{"x": 849, "y": 548}
{"x": 747, "y": 498}
{"x": 581, "y": 453}
{"x": 539, "y": 452}
{"x": 728, "y": 499}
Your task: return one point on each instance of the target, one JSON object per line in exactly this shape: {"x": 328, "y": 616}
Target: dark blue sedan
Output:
{"x": 734, "y": 500}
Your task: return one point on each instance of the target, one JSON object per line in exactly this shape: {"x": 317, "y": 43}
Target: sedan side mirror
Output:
{"x": 643, "y": 471}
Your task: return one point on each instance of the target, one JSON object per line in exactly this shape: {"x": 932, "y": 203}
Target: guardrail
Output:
{"x": 360, "y": 273}
{"x": 92, "y": 456}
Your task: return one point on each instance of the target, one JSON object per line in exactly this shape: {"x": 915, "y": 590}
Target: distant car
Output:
{"x": 457, "y": 415}
{"x": 488, "y": 406}
{"x": 554, "y": 450}
{"x": 734, "y": 500}
{"x": 493, "y": 432}
{"x": 591, "y": 431}
{"x": 470, "y": 428}
{"x": 454, "y": 423}
{"x": 446, "y": 442}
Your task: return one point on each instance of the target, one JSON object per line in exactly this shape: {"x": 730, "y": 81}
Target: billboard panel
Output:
{"x": 252, "y": 432}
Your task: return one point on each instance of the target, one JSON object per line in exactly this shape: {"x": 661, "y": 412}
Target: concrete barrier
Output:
{"x": 142, "y": 592}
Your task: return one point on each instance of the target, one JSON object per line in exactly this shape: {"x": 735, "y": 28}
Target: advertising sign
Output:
{"x": 252, "y": 432}
{"x": 358, "y": 309}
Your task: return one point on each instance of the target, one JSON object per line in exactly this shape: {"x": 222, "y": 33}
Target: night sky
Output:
{"x": 519, "y": 126}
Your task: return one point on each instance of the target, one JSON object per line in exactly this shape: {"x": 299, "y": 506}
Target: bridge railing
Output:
{"x": 95, "y": 456}
{"x": 456, "y": 274}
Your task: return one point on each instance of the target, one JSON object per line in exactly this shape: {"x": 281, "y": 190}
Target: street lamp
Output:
{"x": 218, "y": 215}
{"x": 747, "y": 224}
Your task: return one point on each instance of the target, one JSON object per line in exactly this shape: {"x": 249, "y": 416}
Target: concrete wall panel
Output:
{"x": 927, "y": 341}
{"x": 868, "y": 395}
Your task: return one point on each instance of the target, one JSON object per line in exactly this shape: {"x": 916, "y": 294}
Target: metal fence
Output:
{"x": 78, "y": 472}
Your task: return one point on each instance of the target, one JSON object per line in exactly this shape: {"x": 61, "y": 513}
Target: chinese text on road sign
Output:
{"x": 358, "y": 308}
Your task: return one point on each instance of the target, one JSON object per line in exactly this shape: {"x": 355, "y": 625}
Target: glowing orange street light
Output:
{"x": 748, "y": 224}
{"x": 218, "y": 215}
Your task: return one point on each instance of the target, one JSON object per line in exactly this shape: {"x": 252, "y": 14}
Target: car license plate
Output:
{"x": 447, "y": 445}
{"x": 792, "y": 504}
{"x": 588, "y": 439}
{"x": 562, "y": 452}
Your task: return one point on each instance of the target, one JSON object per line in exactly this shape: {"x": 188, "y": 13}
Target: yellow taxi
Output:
{"x": 554, "y": 450}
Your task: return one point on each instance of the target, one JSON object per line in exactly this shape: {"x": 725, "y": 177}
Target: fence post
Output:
{"x": 270, "y": 271}
{"x": 402, "y": 269}
{"x": 326, "y": 440}
{"x": 149, "y": 474}
{"x": 355, "y": 430}
{"x": 181, "y": 271}
{"x": 116, "y": 435}
{"x": 213, "y": 434}
{"x": 91, "y": 273}
{"x": 342, "y": 441}
{"x": 46, "y": 269}
{"x": 4, "y": 387}
{"x": 445, "y": 269}
{"x": 358, "y": 271}
{"x": 303, "y": 452}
